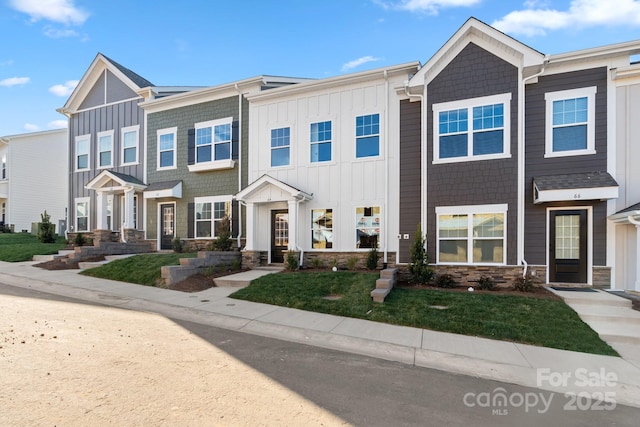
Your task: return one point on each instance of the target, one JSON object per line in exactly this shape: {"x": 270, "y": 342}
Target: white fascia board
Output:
{"x": 174, "y": 192}
{"x": 575, "y": 194}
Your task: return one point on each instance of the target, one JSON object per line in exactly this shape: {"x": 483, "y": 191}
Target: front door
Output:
{"x": 279, "y": 235}
{"x": 167, "y": 225}
{"x": 568, "y": 246}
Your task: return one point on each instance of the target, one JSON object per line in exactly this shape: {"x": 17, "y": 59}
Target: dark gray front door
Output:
{"x": 167, "y": 225}
{"x": 279, "y": 235}
{"x": 568, "y": 246}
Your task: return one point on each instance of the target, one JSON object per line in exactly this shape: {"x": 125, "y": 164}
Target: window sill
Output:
{"x": 569, "y": 153}
{"x": 209, "y": 166}
{"x": 471, "y": 158}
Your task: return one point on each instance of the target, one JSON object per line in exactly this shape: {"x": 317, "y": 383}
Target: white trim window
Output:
{"x": 472, "y": 129}
{"x": 83, "y": 142}
{"x": 213, "y": 140}
{"x": 320, "y": 142}
{"x": 280, "y": 147}
{"x": 472, "y": 234}
{"x": 82, "y": 214}
{"x": 4, "y": 167}
{"x": 129, "y": 141}
{"x": 209, "y": 211}
{"x": 368, "y": 136}
{"x": 570, "y": 122}
{"x": 167, "y": 148}
{"x": 368, "y": 220}
{"x": 322, "y": 228}
{"x": 105, "y": 149}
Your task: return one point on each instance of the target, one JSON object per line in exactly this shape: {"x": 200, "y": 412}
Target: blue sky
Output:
{"x": 47, "y": 45}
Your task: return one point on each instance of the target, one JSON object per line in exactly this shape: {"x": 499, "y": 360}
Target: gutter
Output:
{"x": 386, "y": 169}
{"x": 239, "y": 237}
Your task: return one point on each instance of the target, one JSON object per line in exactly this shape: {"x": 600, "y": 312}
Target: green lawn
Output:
{"x": 140, "y": 269}
{"x": 16, "y": 247}
{"x": 523, "y": 319}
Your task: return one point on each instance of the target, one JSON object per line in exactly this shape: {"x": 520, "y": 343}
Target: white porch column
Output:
{"x": 635, "y": 222}
{"x": 128, "y": 209}
{"x": 250, "y": 242}
{"x": 293, "y": 225}
{"x": 101, "y": 210}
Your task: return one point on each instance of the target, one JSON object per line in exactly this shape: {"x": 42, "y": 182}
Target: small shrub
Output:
{"x": 223, "y": 240}
{"x": 372, "y": 259}
{"x": 317, "y": 263}
{"x": 445, "y": 281}
{"x": 177, "y": 245}
{"x": 352, "y": 263}
{"x": 46, "y": 229}
{"x": 236, "y": 264}
{"x": 486, "y": 283}
{"x": 80, "y": 240}
{"x": 291, "y": 261}
{"x": 524, "y": 284}
{"x": 419, "y": 265}
{"x": 209, "y": 270}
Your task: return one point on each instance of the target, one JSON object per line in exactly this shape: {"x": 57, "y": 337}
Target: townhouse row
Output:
{"x": 506, "y": 157}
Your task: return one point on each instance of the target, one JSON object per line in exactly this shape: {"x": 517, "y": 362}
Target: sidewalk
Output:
{"x": 544, "y": 368}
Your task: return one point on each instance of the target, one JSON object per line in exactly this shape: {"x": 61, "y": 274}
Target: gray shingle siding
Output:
{"x": 474, "y": 73}
{"x": 194, "y": 184}
{"x": 538, "y": 165}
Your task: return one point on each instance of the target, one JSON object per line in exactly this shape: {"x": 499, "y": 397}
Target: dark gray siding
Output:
{"x": 117, "y": 90}
{"x": 95, "y": 97}
{"x": 194, "y": 184}
{"x": 536, "y": 164}
{"x": 91, "y": 122}
{"x": 410, "y": 173}
{"x": 474, "y": 73}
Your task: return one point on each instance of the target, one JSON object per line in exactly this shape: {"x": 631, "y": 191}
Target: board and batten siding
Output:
{"x": 537, "y": 165}
{"x": 345, "y": 182}
{"x": 474, "y": 73}
{"x": 90, "y": 122}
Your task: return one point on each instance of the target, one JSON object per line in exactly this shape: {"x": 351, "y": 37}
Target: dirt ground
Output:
{"x": 64, "y": 364}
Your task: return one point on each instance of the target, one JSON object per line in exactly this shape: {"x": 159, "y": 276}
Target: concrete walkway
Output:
{"x": 615, "y": 378}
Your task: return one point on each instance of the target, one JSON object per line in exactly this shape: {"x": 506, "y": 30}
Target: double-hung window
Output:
{"x": 129, "y": 141}
{"x": 368, "y": 221}
{"x": 472, "y": 129}
{"x": 4, "y": 167}
{"x": 322, "y": 228}
{"x": 368, "y": 136}
{"x": 105, "y": 149}
{"x": 213, "y": 141}
{"x": 471, "y": 234}
{"x": 209, "y": 212}
{"x": 280, "y": 146}
{"x": 82, "y": 214}
{"x": 320, "y": 142}
{"x": 82, "y": 152}
{"x": 167, "y": 148}
{"x": 570, "y": 122}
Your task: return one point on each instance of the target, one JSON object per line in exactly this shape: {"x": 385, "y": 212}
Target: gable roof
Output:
{"x": 249, "y": 193}
{"x": 485, "y": 36}
{"x": 99, "y": 64}
{"x": 108, "y": 178}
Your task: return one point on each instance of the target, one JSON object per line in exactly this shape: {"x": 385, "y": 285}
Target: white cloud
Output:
{"x": 358, "y": 62}
{"x": 428, "y": 6}
{"x": 30, "y": 127}
{"x": 14, "y": 81}
{"x": 64, "y": 89}
{"x": 58, "y": 124}
{"x": 581, "y": 13}
{"x": 6, "y": 63}
{"x": 61, "y": 11}
{"x": 56, "y": 33}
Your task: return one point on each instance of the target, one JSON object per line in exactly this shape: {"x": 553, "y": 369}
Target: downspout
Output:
{"x": 301, "y": 260}
{"x": 386, "y": 170}
{"x": 521, "y": 165}
{"x": 239, "y": 238}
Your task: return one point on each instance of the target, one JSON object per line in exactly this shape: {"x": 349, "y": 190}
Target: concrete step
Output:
{"x": 592, "y": 298}
{"x": 91, "y": 264}
{"x": 42, "y": 258}
{"x": 378, "y": 295}
{"x": 115, "y": 257}
{"x": 221, "y": 282}
{"x": 614, "y": 314}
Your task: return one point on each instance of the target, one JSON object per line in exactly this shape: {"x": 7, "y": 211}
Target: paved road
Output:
{"x": 182, "y": 373}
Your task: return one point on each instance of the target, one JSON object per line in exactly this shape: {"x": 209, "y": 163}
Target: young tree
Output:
{"x": 46, "y": 229}
{"x": 419, "y": 266}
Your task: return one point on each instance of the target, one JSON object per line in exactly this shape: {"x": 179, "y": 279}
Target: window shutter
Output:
{"x": 235, "y": 218}
{"x": 191, "y": 214}
{"x": 191, "y": 146}
{"x": 235, "y": 133}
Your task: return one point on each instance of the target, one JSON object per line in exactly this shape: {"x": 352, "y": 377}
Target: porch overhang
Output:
{"x": 574, "y": 187}
{"x": 165, "y": 189}
{"x": 630, "y": 215}
{"x": 267, "y": 189}
{"x": 110, "y": 181}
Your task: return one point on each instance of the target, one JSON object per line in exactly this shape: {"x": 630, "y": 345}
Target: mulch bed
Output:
{"x": 538, "y": 291}
{"x": 65, "y": 263}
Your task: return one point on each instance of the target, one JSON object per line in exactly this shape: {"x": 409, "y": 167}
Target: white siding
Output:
{"x": 37, "y": 170}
